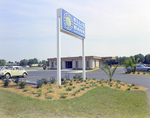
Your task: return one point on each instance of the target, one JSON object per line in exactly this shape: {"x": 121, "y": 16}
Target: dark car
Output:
{"x": 140, "y": 67}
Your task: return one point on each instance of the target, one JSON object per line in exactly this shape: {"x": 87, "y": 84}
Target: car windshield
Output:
{"x": 10, "y": 68}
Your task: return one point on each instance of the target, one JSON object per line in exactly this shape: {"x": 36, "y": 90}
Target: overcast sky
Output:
{"x": 113, "y": 28}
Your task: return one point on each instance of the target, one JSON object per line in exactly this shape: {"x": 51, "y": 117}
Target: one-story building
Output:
{"x": 91, "y": 62}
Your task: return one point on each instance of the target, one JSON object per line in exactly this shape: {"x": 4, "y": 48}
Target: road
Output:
{"x": 142, "y": 80}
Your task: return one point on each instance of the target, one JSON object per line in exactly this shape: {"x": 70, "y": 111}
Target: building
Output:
{"x": 91, "y": 62}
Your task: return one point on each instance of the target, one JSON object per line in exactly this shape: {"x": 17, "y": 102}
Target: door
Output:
{"x": 68, "y": 64}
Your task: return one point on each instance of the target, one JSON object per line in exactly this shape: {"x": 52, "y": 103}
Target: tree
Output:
{"x": 108, "y": 71}
{"x": 131, "y": 62}
{"x": 147, "y": 59}
{"x": 32, "y": 61}
{"x": 23, "y": 62}
{"x": 44, "y": 64}
{"x": 141, "y": 57}
{"x": 2, "y": 62}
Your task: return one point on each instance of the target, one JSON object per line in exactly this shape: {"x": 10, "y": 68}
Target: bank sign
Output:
{"x": 72, "y": 25}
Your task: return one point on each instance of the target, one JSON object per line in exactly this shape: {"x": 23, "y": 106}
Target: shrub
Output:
{"x": 82, "y": 85}
{"x": 81, "y": 79}
{"x": 102, "y": 79}
{"x": 49, "y": 97}
{"x": 65, "y": 85}
{"x": 50, "y": 91}
{"x": 64, "y": 92}
{"x": 52, "y": 80}
{"x": 24, "y": 90}
{"x": 78, "y": 90}
{"x": 39, "y": 93}
{"x": 45, "y": 81}
{"x": 69, "y": 89}
{"x": 22, "y": 84}
{"x": 133, "y": 85}
{"x": 74, "y": 93}
{"x": 118, "y": 81}
{"x": 73, "y": 87}
{"x": 128, "y": 89}
{"x": 84, "y": 80}
{"x": 40, "y": 90}
{"x": 67, "y": 76}
{"x": 82, "y": 88}
{"x": 94, "y": 78}
{"x": 16, "y": 80}
{"x": 33, "y": 92}
{"x": 39, "y": 83}
{"x": 77, "y": 76}
{"x": 6, "y": 82}
{"x": 63, "y": 96}
{"x": 64, "y": 82}
{"x": 60, "y": 87}
{"x": 71, "y": 83}
{"x": 49, "y": 87}
{"x": 89, "y": 79}
{"x": 87, "y": 83}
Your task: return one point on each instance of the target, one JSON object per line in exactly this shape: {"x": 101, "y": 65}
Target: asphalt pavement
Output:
{"x": 142, "y": 80}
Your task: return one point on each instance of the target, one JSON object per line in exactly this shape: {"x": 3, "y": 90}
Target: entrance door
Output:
{"x": 68, "y": 64}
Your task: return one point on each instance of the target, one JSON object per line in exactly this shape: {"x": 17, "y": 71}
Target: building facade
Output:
{"x": 91, "y": 62}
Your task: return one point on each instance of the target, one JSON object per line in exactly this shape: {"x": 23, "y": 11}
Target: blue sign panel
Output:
{"x": 72, "y": 24}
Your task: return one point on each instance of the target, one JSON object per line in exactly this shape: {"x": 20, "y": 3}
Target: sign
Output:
{"x": 71, "y": 25}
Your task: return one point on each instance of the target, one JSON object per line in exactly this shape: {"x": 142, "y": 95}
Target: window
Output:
{"x": 76, "y": 64}
{"x": 52, "y": 64}
{"x": 87, "y": 63}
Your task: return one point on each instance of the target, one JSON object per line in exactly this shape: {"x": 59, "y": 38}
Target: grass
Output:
{"x": 98, "y": 102}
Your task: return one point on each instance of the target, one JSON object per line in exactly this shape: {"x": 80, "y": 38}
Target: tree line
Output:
{"x": 24, "y": 62}
{"x": 120, "y": 60}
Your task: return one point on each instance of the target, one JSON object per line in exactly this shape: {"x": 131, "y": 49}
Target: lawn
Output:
{"x": 97, "y": 102}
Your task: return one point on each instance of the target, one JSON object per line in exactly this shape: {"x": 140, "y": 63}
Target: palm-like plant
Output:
{"x": 131, "y": 62}
{"x": 108, "y": 71}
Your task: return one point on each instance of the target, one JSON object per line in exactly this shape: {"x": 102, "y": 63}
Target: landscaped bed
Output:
{"x": 69, "y": 89}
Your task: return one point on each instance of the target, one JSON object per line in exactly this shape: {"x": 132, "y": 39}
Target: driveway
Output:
{"x": 142, "y": 80}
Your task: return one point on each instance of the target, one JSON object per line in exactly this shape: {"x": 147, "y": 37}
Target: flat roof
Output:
{"x": 87, "y": 57}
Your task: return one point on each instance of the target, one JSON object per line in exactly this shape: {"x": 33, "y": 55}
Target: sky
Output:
{"x": 112, "y": 28}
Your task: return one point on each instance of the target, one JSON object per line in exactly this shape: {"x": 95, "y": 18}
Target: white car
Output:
{"x": 12, "y": 71}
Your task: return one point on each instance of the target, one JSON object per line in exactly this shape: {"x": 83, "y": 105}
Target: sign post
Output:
{"x": 70, "y": 25}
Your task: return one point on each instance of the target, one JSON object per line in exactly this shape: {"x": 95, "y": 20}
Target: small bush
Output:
{"x": 87, "y": 83}
{"x": 6, "y": 82}
{"x": 82, "y": 88}
{"x": 64, "y": 82}
{"x": 63, "y": 96}
{"x": 69, "y": 89}
{"x": 24, "y": 90}
{"x": 16, "y": 80}
{"x": 39, "y": 83}
{"x": 33, "y": 92}
{"x": 102, "y": 79}
{"x": 94, "y": 78}
{"x": 89, "y": 79}
{"x": 73, "y": 87}
{"x": 74, "y": 93}
{"x": 45, "y": 81}
{"x": 52, "y": 80}
{"x": 71, "y": 83}
{"x": 40, "y": 90}
{"x": 22, "y": 84}
{"x": 64, "y": 92}
{"x": 49, "y": 97}
{"x": 80, "y": 79}
{"x": 118, "y": 81}
{"x": 39, "y": 94}
{"x": 65, "y": 85}
{"x": 133, "y": 85}
{"x": 78, "y": 90}
{"x": 128, "y": 89}
{"x": 50, "y": 91}
{"x": 60, "y": 87}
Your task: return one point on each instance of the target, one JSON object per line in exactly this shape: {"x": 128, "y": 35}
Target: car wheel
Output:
{"x": 148, "y": 70}
{"x": 24, "y": 75}
{"x": 7, "y": 75}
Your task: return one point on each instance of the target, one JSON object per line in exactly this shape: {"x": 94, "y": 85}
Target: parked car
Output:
{"x": 12, "y": 71}
{"x": 140, "y": 67}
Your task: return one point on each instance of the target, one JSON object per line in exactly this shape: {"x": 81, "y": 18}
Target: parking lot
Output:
{"x": 142, "y": 80}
